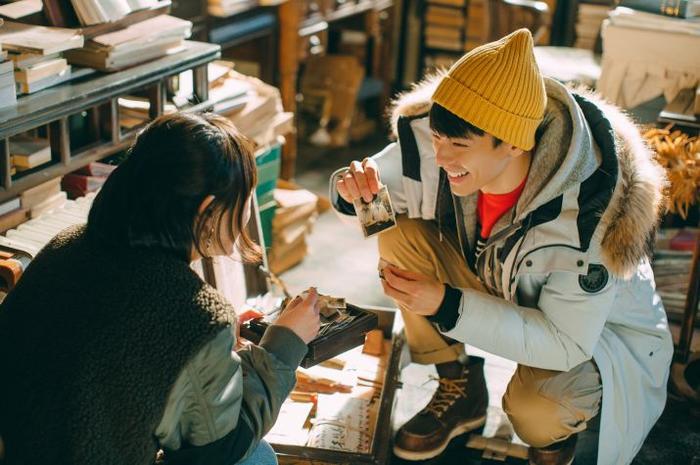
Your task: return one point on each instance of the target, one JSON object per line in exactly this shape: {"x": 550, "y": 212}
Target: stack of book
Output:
{"x": 90, "y": 12}
{"x": 8, "y": 93}
{"x": 629, "y": 15}
{"x": 588, "y": 24}
{"x": 477, "y": 24}
{"x": 89, "y": 178}
{"x": 29, "y": 152}
{"x": 36, "y": 54}
{"x": 445, "y": 24}
{"x": 135, "y": 44}
{"x": 12, "y": 214}
{"x": 294, "y": 218}
{"x": 253, "y": 106}
{"x": 43, "y": 198}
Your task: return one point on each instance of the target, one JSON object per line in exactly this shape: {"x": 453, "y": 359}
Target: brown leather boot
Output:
{"x": 559, "y": 453}
{"x": 458, "y": 406}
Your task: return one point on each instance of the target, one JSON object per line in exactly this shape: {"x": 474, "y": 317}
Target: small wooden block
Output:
{"x": 374, "y": 342}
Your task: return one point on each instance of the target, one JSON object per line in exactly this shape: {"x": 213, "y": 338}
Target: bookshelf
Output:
{"x": 443, "y": 33}
{"x": 95, "y": 95}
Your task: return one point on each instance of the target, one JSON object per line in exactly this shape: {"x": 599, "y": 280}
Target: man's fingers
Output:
{"x": 397, "y": 282}
{"x": 343, "y": 190}
{"x": 372, "y": 174}
{"x": 406, "y": 274}
{"x": 393, "y": 293}
{"x": 361, "y": 179}
{"x": 351, "y": 186}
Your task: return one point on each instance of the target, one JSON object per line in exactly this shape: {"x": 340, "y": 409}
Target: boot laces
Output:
{"x": 447, "y": 393}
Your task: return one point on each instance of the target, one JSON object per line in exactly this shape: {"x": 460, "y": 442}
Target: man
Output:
{"x": 526, "y": 211}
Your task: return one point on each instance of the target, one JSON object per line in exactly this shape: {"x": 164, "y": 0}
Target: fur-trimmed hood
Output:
{"x": 633, "y": 211}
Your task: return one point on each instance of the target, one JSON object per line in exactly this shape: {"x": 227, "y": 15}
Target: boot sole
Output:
{"x": 461, "y": 428}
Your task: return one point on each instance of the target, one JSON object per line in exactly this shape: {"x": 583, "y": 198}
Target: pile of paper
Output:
{"x": 36, "y": 54}
{"x": 91, "y": 12}
{"x": 135, "y": 44}
{"x": 296, "y": 214}
{"x": 253, "y": 106}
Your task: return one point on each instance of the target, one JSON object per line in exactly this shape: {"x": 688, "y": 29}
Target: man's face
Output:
{"x": 471, "y": 164}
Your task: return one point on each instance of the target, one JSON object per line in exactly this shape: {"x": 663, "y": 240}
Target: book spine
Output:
{"x": 674, "y": 8}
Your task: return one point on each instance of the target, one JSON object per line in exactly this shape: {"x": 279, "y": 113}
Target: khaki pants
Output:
{"x": 544, "y": 406}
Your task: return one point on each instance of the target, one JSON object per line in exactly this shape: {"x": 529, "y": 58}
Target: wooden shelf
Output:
{"x": 52, "y": 107}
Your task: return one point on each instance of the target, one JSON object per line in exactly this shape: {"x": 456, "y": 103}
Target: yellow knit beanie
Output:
{"x": 498, "y": 88}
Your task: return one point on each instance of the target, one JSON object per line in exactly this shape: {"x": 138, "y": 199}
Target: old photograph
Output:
{"x": 377, "y": 215}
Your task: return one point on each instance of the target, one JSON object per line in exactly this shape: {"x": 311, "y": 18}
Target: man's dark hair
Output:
{"x": 447, "y": 124}
{"x": 152, "y": 199}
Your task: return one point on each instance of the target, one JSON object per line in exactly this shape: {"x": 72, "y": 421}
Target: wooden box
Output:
{"x": 379, "y": 430}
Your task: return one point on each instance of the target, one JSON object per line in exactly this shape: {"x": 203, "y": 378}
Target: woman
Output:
{"x": 112, "y": 348}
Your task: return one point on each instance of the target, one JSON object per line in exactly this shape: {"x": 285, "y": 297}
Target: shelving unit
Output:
{"x": 96, "y": 95}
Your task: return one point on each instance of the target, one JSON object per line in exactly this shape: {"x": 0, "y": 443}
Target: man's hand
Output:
{"x": 418, "y": 293}
{"x": 361, "y": 180}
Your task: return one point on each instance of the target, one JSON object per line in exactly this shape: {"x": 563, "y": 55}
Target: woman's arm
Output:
{"x": 218, "y": 388}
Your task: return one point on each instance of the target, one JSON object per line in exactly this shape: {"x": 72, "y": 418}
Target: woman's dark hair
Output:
{"x": 447, "y": 124}
{"x": 152, "y": 198}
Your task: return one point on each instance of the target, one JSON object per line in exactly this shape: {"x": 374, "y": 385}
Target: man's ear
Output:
{"x": 205, "y": 204}
{"x": 515, "y": 152}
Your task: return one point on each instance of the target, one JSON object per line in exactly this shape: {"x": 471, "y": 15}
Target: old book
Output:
{"x": 444, "y": 44}
{"x": 285, "y": 257}
{"x": 10, "y": 205}
{"x": 13, "y": 218}
{"x": 677, "y": 8}
{"x": 293, "y": 205}
{"x": 28, "y": 38}
{"x": 45, "y": 83}
{"x": 29, "y": 152}
{"x": 21, "y": 9}
{"x": 60, "y": 13}
{"x": 96, "y": 168}
{"x": 6, "y": 67}
{"x": 37, "y": 194}
{"x": 635, "y": 19}
{"x": 26, "y": 60}
{"x": 78, "y": 185}
{"x": 52, "y": 203}
{"x": 105, "y": 60}
{"x": 454, "y": 3}
{"x": 443, "y": 33}
{"x": 41, "y": 70}
{"x": 442, "y": 16}
{"x": 158, "y": 27}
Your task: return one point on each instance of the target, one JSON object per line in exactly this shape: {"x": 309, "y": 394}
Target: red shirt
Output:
{"x": 491, "y": 207}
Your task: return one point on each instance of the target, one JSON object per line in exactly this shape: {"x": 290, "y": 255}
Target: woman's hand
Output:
{"x": 418, "y": 293}
{"x": 301, "y": 316}
{"x": 360, "y": 181}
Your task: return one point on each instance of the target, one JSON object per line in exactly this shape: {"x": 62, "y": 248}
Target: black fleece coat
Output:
{"x": 91, "y": 342}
